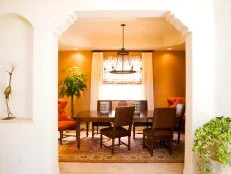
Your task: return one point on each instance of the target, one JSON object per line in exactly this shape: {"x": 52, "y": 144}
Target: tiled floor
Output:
{"x": 121, "y": 168}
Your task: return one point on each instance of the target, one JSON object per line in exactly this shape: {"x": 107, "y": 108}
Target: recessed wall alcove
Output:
{"x": 16, "y": 48}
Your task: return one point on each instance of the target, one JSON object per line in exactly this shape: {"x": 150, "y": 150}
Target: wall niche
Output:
{"x": 16, "y": 48}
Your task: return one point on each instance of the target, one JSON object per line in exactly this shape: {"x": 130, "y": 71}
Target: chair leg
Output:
{"x": 179, "y": 130}
{"x": 97, "y": 127}
{"x": 93, "y": 131}
{"x": 113, "y": 144}
{"x": 134, "y": 131}
{"x": 152, "y": 147}
{"x": 60, "y": 137}
{"x": 119, "y": 140}
{"x": 143, "y": 140}
{"x": 129, "y": 143}
{"x": 170, "y": 147}
{"x": 101, "y": 141}
{"x": 87, "y": 127}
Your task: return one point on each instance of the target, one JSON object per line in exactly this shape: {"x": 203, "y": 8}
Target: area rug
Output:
{"x": 91, "y": 152}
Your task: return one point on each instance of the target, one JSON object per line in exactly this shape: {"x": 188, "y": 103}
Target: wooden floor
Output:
{"x": 121, "y": 168}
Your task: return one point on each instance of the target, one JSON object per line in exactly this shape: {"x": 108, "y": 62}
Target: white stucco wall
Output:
{"x": 223, "y": 57}
{"x": 32, "y": 147}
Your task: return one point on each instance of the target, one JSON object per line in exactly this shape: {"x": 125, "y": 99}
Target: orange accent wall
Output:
{"x": 168, "y": 76}
{"x": 82, "y": 59}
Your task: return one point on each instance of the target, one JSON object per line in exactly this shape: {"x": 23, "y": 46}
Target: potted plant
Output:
{"x": 213, "y": 144}
{"x": 73, "y": 84}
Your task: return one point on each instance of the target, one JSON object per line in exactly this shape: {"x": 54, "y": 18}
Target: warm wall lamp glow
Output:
{"x": 169, "y": 48}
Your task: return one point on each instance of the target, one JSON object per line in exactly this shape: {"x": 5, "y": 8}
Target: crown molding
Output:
{"x": 176, "y": 23}
{"x": 70, "y": 19}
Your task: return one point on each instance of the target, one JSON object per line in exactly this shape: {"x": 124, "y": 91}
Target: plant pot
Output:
{"x": 218, "y": 168}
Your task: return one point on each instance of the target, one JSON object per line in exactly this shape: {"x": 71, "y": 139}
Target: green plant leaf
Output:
{"x": 74, "y": 82}
{"x": 213, "y": 140}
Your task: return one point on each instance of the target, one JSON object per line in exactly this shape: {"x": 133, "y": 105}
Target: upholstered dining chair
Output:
{"x": 104, "y": 107}
{"x": 172, "y": 102}
{"x": 180, "y": 110}
{"x": 65, "y": 122}
{"x": 123, "y": 117}
{"x": 141, "y": 106}
{"x": 162, "y": 129}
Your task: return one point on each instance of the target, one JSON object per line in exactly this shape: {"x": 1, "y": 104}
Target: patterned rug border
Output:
{"x": 68, "y": 152}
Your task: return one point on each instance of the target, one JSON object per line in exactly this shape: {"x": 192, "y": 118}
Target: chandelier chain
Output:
{"x": 123, "y": 25}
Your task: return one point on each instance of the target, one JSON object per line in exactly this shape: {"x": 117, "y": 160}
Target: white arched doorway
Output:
{"x": 188, "y": 40}
{"x": 37, "y": 141}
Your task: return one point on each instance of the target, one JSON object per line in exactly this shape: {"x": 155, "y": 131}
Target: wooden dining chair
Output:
{"x": 141, "y": 107}
{"x": 162, "y": 129}
{"x": 123, "y": 117}
{"x": 104, "y": 107}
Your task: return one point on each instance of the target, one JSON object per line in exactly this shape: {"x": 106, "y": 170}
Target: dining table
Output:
{"x": 95, "y": 116}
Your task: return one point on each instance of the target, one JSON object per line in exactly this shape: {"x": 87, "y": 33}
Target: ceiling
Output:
{"x": 106, "y": 34}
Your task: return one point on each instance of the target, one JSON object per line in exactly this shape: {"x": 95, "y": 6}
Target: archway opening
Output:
{"x": 187, "y": 39}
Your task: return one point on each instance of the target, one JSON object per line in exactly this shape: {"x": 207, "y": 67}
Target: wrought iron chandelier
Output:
{"x": 122, "y": 56}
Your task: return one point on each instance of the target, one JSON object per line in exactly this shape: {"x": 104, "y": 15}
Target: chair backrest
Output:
{"x": 104, "y": 106}
{"x": 140, "y": 106}
{"x": 143, "y": 106}
{"x": 62, "y": 115}
{"x": 124, "y": 116}
{"x": 122, "y": 104}
{"x": 164, "y": 118}
{"x": 180, "y": 109}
